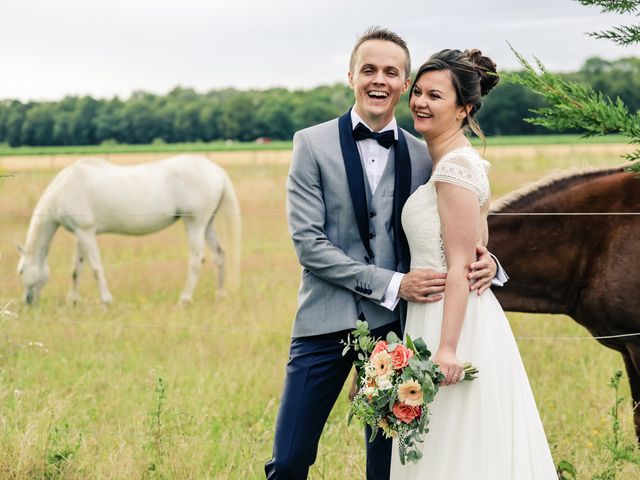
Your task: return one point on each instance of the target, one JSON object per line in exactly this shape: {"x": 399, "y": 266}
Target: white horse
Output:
{"x": 93, "y": 196}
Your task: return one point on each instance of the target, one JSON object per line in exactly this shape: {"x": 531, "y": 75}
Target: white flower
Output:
{"x": 384, "y": 383}
{"x": 370, "y": 391}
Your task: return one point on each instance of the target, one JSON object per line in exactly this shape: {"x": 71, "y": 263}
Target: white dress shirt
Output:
{"x": 375, "y": 158}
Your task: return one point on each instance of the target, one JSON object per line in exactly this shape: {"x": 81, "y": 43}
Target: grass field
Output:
{"x": 217, "y": 146}
{"x": 148, "y": 390}
{"x": 221, "y": 146}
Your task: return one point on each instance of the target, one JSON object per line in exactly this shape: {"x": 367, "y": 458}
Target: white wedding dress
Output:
{"x": 487, "y": 429}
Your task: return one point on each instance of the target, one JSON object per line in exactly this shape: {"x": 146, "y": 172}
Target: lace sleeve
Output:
{"x": 464, "y": 169}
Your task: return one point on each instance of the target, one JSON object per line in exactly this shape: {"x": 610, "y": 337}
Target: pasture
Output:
{"x": 145, "y": 389}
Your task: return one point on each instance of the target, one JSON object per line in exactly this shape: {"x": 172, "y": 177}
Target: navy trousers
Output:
{"x": 316, "y": 372}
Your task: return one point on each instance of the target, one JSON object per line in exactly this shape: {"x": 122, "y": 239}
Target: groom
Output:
{"x": 348, "y": 181}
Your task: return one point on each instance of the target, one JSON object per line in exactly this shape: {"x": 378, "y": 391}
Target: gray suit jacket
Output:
{"x": 336, "y": 279}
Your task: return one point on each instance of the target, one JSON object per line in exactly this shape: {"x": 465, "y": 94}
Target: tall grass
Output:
{"x": 145, "y": 389}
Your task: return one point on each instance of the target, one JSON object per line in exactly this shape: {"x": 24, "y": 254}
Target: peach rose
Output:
{"x": 380, "y": 346}
{"x": 400, "y": 356}
{"x": 410, "y": 393}
{"x": 406, "y": 413}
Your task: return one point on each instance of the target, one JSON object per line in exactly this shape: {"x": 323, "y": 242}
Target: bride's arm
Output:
{"x": 484, "y": 234}
{"x": 460, "y": 220}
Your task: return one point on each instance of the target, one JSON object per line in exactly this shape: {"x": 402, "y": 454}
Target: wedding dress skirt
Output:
{"x": 488, "y": 428}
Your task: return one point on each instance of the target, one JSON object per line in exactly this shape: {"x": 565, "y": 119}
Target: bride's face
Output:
{"x": 434, "y": 105}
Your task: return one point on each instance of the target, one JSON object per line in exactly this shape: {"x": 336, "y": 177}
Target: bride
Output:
{"x": 488, "y": 429}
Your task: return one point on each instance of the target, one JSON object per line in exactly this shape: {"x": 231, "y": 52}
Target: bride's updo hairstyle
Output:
{"x": 473, "y": 76}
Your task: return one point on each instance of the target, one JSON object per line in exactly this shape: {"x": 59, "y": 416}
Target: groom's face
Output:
{"x": 378, "y": 80}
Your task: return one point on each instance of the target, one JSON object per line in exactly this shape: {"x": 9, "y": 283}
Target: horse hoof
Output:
{"x": 107, "y": 301}
{"x": 73, "y": 299}
{"x": 184, "y": 301}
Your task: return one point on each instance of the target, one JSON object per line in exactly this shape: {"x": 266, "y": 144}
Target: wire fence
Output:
{"x": 242, "y": 331}
{"x": 266, "y": 214}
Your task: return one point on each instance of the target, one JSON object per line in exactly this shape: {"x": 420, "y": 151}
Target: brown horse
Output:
{"x": 582, "y": 264}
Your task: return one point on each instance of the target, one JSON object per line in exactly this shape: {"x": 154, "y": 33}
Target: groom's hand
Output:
{"x": 422, "y": 285}
{"x": 482, "y": 271}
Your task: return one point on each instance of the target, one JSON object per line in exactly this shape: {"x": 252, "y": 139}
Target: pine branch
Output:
{"x": 576, "y": 106}
{"x": 624, "y": 35}
{"x": 615, "y": 6}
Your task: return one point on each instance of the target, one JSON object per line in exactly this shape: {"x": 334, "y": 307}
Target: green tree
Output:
{"x": 82, "y": 121}
{"x": 186, "y": 123}
{"x": 504, "y": 110}
{"x": 237, "y": 119}
{"x": 617, "y": 78}
{"x": 143, "y": 121}
{"x": 111, "y": 122}
{"x": 624, "y": 34}
{"x": 13, "y": 123}
{"x": 311, "y": 111}
{"x": 4, "y": 113}
{"x": 275, "y": 115}
{"x": 63, "y": 122}
{"x": 209, "y": 119}
{"x": 37, "y": 126}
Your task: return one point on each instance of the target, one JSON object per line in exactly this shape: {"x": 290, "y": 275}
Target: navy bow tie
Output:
{"x": 386, "y": 138}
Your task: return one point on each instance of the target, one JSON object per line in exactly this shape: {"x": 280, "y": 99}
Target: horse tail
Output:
{"x": 228, "y": 213}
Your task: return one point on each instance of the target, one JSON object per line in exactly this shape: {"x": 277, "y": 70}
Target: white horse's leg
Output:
{"x": 78, "y": 260}
{"x": 195, "y": 235}
{"x": 218, "y": 254}
{"x": 89, "y": 245}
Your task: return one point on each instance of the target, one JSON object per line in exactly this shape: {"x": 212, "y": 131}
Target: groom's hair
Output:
{"x": 380, "y": 33}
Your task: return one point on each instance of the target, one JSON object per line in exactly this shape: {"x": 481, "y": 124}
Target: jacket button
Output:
{"x": 369, "y": 291}
{"x": 372, "y": 236}
{"x": 372, "y": 214}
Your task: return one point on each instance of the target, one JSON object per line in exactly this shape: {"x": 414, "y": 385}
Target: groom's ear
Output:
{"x": 350, "y": 77}
{"x": 407, "y": 84}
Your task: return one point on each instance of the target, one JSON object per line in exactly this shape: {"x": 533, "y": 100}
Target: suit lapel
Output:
{"x": 402, "y": 190}
{"x": 355, "y": 178}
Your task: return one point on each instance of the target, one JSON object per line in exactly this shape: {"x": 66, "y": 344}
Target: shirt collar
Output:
{"x": 392, "y": 125}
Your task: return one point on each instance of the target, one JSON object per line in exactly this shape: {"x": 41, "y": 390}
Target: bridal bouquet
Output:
{"x": 397, "y": 381}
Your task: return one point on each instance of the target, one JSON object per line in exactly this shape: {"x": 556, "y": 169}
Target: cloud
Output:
{"x": 107, "y": 48}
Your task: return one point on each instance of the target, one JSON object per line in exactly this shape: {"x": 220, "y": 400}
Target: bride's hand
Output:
{"x": 450, "y": 366}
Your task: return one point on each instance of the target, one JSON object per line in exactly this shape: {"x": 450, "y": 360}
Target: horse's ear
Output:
{"x": 20, "y": 248}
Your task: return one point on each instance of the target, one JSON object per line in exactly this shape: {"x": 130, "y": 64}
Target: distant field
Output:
{"x": 221, "y": 146}
{"x": 80, "y": 395}
{"x": 218, "y": 146}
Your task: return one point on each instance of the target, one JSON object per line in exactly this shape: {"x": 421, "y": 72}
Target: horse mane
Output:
{"x": 554, "y": 182}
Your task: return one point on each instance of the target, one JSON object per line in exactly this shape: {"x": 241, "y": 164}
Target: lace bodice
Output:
{"x": 420, "y": 219}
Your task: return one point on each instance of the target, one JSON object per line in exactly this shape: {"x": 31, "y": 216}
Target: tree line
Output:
{"x": 183, "y": 115}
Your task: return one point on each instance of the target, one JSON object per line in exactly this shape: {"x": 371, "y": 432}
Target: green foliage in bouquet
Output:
{"x": 397, "y": 381}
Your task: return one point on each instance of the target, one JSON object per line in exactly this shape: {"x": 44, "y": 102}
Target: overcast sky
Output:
{"x": 53, "y": 48}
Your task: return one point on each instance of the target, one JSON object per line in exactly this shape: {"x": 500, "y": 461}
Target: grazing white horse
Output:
{"x": 93, "y": 196}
